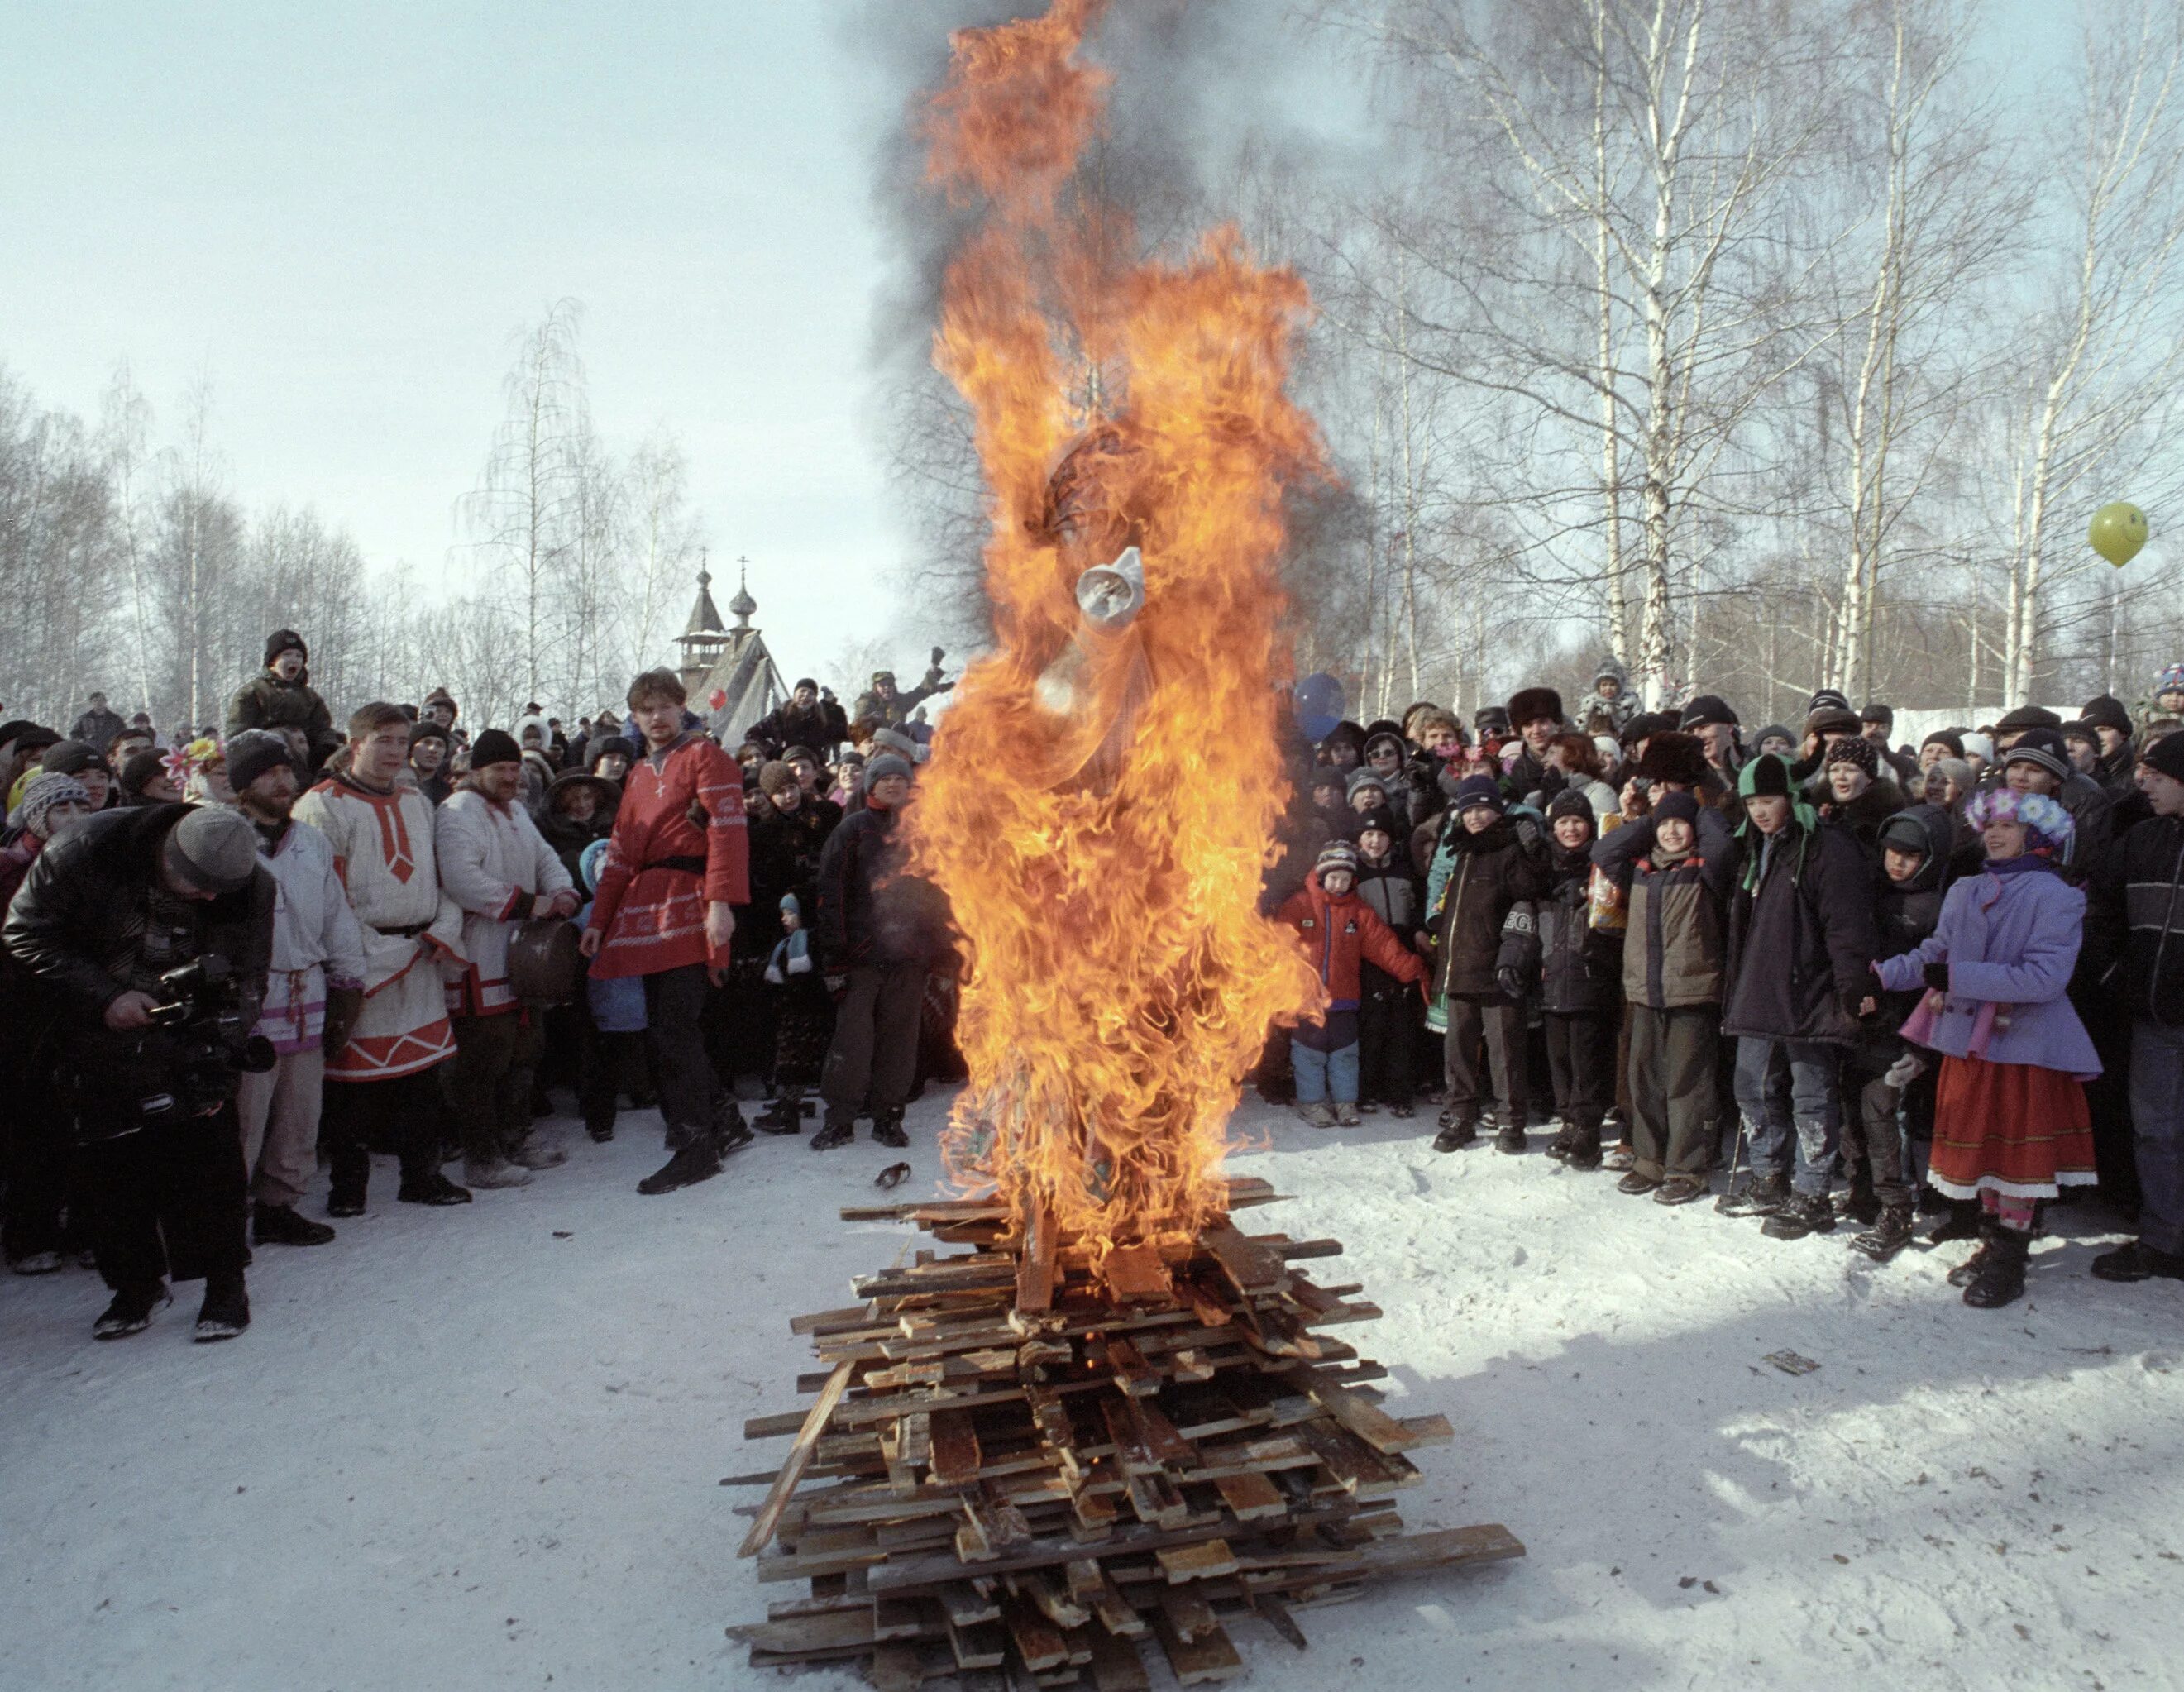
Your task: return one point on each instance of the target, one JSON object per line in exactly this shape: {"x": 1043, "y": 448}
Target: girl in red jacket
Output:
{"x": 1338, "y": 929}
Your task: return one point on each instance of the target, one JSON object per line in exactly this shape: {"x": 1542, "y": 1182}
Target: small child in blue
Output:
{"x": 802, "y": 1022}
{"x": 613, "y": 1050}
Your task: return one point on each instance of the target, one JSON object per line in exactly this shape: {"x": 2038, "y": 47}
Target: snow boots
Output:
{"x": 1456, "y": 1132}
{"x": 697, "y": 1159}
{"x": 1961, "y": 1223}
{"x": 280, "y": 1225}
{"x": 493, "y": 1172}
{"x": 531, "y": 1154}
{"x": 1890, "y": 1233}
{"x": 1511, "y": 1137}
{"x": 131, "y": 1311}
{"x": 428, "y": 1188}
{"x": 225, "y": 1311}
{"x": 887, "y": 1127}
{"x": 839, "y": 1128}
{"x": 1799, "y": 1214}
{"x": 730, "y": 1131}
{"x": 785, "y": 1116}
{"x": 2138, "y": 1261}
{"x": 1760, "y": 1196}
{"x": 2000, "y": 1277}
{"x": 1855, "y": 1204}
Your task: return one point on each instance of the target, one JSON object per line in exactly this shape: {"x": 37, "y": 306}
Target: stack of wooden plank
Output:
{"x": 1019, "y": 1471}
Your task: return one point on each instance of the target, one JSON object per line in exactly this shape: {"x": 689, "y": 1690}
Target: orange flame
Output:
{"x": 1103, "y": 791}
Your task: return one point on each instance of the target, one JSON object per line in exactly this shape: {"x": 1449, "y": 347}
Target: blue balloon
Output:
{"x": 1319, "y": 705}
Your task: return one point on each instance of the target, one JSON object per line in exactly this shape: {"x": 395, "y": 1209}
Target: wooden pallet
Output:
{"x": 1017, "y": 1472}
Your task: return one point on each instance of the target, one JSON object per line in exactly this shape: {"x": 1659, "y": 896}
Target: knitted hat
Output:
{"x": 1707, "y": 709}
{"x": 2165, "y": 757}
{"x": 1877, "y": 712}
{"x": 252, "y": 753}
{"x": 40, "y": 796}
{"x": 1381, "y": 817}
{"x": 2043, "y": 747}
{"x": 2083, "y": 729}
{"x": 1906, "y": 833}
{"x": 1675, "y": 807}
{"x": 1337, "y": 854}
{"x": 2105, "y": 711}
{"x": 1570, "y": 802}
{"x": 774, "y": 776}
{"x": 1944, "y": 737}
{"x": 805, "y": 682}
{"x": 1977, "y": 745}
{"x": 1609, "y": 668}
{"x": 886, "y": 765}
{"x": 895, "y": 741}
{"x": 1956, "y": 770}
{"x": 2039, "y": 813}
{"x": 1644, "y": 724}
{"x": 1855, "y": 750}
{"x": 495, "y": 746}
{"x": 1774, "y": 730}
{"x": 610, "y": 743}
{"x": 215, "y": 849}
{"x": 2170, "y": 681}
{"x": 284, "y": 640}
{"x": 1766, "y": 776}
{"x": 1363, "y": 776}
{"x": 139, "y": 768}
{"x": 426, "y": 730}
{"x": 793, "y": 755}
{"x": 1828, "y": 699}
{"x": 1478, "y": 790}
{"x": 2028, "y": 717}
{"x": 1528, "y": 705}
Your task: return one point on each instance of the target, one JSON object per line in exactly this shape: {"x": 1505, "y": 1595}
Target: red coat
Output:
{"x": 1338, "y": 932}
{"x": 652, "y": 910}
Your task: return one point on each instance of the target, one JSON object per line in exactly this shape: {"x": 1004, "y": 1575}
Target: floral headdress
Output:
{"x": 2041, "y": 814}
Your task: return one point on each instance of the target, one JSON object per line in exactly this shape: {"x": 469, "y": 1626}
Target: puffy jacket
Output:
{"x": 1339, "y": 934}
{"x": 2139, "y": 882}
{"x": 1800, "y": 933}
{"x": 1397, "y": 894}
{"x": 1475, "y": 880}
{"x": 267, "y": 701}
{"x": 1673, "y": 948}
{"x": 1577, "y": 965}
{"x": 1904, "y": 913}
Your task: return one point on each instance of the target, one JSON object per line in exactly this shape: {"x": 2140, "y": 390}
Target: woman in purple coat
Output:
{"x": 2010, "y": 1124}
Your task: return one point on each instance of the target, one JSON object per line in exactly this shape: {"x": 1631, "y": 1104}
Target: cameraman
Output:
{"x": 107, "y": 909}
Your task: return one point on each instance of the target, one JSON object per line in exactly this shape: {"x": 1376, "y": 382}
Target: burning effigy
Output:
{"x": 1115, "y": 1418}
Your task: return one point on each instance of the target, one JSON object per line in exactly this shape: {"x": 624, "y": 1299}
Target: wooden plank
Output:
{"x": 1160, "y": 1436}
{"x": 985, "y": 1645}
{"x": 799, "y": 1455}
{"x": 1115, "y": 1665}
{"x": 1034, "y": 1274}
{"x": 896, "y": 1668}
{"x": 1198, "y": 1661}
{"x": 1038, "y": 1642}
{"x": 1368, "y": 1422}
{"x": 1189, "y": 1614}
{"x": 955, "y": 1457}
{"x": 1250, "y": 1497}
{"x": 1132, "y": 1374}
{"x": 1205, "y": 1560}
{"x": 1251, "y": 1265}
{"x": 1135, "y": 1274}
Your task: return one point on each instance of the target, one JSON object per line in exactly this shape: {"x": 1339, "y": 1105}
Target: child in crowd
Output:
{"x": 2010, "y": 1122}
{"x": 1341, "y": 932}
{"x": 1387, "y": 1011}
{"x": 1571, "y": 968}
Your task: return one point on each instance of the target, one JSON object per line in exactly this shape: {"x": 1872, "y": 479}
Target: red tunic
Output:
{"x": 653, "y": 911}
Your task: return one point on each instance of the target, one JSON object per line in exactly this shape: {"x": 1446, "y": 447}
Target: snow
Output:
{"x": 479, "y": 1448}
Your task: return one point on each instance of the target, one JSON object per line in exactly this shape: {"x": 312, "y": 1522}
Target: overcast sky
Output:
{"x": 342, "y": 213}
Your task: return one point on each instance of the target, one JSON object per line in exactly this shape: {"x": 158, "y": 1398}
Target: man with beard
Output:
{"x": 380, "y": 1087}
{"x": 313, "y": 993}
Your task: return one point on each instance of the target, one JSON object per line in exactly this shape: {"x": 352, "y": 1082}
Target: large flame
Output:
{"x": 1104, "y": 789}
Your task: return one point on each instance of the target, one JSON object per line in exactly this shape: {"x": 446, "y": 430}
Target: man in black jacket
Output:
{"x": 878, "y": 934}
{"x": 806, "y": 719}
{"x": 1801, "y": 942}
{"x": 2140, "y": 879}
{"x": 107, "y": 911}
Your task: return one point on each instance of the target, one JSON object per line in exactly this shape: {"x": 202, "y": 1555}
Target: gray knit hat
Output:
{"x": 40, "y": 793}
{"x": 886, "y": 765}
{"x": 215, "y": 849}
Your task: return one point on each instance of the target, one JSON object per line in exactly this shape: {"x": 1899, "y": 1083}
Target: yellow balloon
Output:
{"x": 2118, "y": 531}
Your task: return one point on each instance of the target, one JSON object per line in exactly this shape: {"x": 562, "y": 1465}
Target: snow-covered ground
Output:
{"x": 480, "y": 1448}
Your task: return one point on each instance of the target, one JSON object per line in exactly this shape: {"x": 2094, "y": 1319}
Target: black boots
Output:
{"x": 2000, "y": 1279}
{"x": 839, "y": 1128}
{"x": 280, "y": 1225}
{"x": 730, "y": 1131}
{"x": 2138, "y": 1261}
{"x": 427, "y": 1186}
{"x": 1799, "y": 1214}
{"x": 887, "y": 1128}
{"x": 785, "y": 1114}
{"x": 697, "y": 1159}
{"x": 226, "y": 1309}
{"x": 1890, "y": 1233}
{"x": 1762, "y": 1195}
{"x": 1961, "y": 1223}
{"x": 1511, "y": 1139}
{"x": 1855, "y": 1204}
{"x": 1456, "y": 1132}
{"x": 131, "y": 1311}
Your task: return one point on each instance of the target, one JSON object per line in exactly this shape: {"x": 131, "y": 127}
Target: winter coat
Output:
{"x": 1397, "y": 895}
{"x": 2116, "y": 772}
{"x": 1339, "y": 935}
{"x": 680, "y": 843}
{"x": 267, "y": 701}
{"x": 1598, "y": 794}
{"x": 496, "y": 865}
{"x": 78, "y": 920}
{"x": 786, "y": 847}
{"x": 2090, "y": 807}
{"x": 1475, "y": 880}
{"x": 569, "y": 837}
{"x": 895, "y": 712}
{"x": 1800, "y": 934}
{"x": 96, "y": 727}
{"x": 820, "y": 730}
{"x": 16, "y": 858}
{"x": 1862, "y": 817}
{"x": 317, "y": 941}
{"x": 1577, "y": 968}
{"x": 2139, "y": 882}
{"x": 1673, "y": 947}
{"x": 2010, "y": 940}
{"x": 870, "y": 911}
{"x": 1904, "y": 913}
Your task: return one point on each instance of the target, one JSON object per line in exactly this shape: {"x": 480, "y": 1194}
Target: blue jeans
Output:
{"x": 2157, "y": 1120}
{"x": 1326, "y": 1070}
{"x": 1787, "y": 1092}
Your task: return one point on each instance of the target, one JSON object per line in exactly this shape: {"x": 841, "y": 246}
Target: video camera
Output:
{"x": 208, "y": 1041}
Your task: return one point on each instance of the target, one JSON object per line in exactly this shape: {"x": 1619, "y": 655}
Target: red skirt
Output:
{"x": 2011, "y": 1128}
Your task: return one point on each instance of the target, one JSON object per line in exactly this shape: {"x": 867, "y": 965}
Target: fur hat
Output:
{"x": 2039, "y": 813}
{"x": 2042, "y": 746}
{"x": 1707, "y": 709}
{"x": 1337, "y": 854}
{"x": 1610, "y": 669}
{"x": 1477, "y": 790}
{"x": 1854, "y": 749}
{"x": 213, "y": 848}
{"x": 773, "y": 776}
{"x": 600, "y": 747}
{"x": 495, "y": 746}
{"x": 1766, "y": 776}
{"x": 441, "y": 696}
{"x": 2027, "y": 716}
{"x": 1529, "y": 704}
{"x": 40, "y": 793}
{"x": 2105, "y": 711}
{"x": 252, "y": 753}
{"x": 284, "y": 640}
{"x": 1975, "y": 744}
{"x": 1832, "y": 719}
{"x": 1672, "y": 755}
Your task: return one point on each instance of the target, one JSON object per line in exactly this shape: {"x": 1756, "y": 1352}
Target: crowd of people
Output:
{"x": 1822, "y": 979}
{"x": 1817, "y": 977}
{"x": 279, "y": 943}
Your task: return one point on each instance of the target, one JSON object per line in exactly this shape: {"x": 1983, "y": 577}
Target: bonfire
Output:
{"x": 1115, "y": 1417}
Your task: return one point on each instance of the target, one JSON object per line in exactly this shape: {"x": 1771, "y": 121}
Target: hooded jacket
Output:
{"x": 1339, "y": 935}
{"x": 1905, "y": 912}
{"x": 1800, "y": 938}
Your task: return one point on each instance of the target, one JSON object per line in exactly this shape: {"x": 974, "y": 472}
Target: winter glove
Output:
{"x": 344, "y": 1004}
{"x": 1530, "y": 838}
{"x": 1904, "y": 1070}
{"x": 1937, "y": 977}
{"x": 1511, "y": 983}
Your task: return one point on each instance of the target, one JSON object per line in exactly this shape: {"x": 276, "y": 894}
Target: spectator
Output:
{"x": 281, "y": 696}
